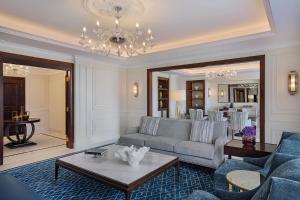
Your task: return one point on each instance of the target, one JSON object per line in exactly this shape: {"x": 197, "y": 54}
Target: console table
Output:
{"x": 236, "y": 148}
{"x": 20, "y": 129}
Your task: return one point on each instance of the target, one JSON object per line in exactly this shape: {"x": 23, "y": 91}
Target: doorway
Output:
{"x": 15, "y": 59}
{"x": 200, "y": 92}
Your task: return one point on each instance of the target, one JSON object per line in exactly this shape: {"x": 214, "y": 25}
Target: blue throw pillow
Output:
{"x": 287, "y": 146}
{"x": 291, "y": 147}
{"x": 284, "y": 189}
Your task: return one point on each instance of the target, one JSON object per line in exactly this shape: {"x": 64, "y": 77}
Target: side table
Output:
{"x": 243, "y": 180}
{"x": 236, "y": 148}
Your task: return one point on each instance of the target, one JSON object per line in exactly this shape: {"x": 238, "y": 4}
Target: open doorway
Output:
{"x": 232, "y": 89}
{"x": 37, "y": 105}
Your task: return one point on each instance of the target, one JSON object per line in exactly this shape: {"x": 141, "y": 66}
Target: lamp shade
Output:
{"x": 293, "y": 82}
{"x": 179, "y": 95}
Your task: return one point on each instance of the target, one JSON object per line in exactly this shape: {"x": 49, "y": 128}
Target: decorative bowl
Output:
{"x": 132, "y": 155}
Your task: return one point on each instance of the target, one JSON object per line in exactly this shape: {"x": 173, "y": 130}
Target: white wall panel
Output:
{"x": 99, "y": 102}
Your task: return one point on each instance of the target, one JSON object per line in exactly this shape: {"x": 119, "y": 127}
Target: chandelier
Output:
{"x": 225, "y": 74}
{"x": 115, "y": 40}
{"x": 15, "y": 70}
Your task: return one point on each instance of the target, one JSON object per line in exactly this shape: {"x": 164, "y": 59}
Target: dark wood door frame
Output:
{"x": 43, "y": 63}
{"x": 260, "y": 58}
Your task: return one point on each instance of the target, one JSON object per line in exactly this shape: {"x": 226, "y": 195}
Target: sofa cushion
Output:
{"x": 134, "y": 139}
{"x": 179, "y": 129}
{"x": 197, "y": 149}
{"x": 162, "y": 143}
{"x": 149, "y": 125}
{"x": 202, "y": 131}
{"x": 12, "y": 189}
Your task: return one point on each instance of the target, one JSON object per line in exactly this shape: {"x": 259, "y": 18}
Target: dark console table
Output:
{"x": 22, "y": 139}
{"x": 236, "y": 148}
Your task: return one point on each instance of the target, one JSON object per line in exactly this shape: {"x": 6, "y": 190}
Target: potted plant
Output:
{"x": 249, "y": 135}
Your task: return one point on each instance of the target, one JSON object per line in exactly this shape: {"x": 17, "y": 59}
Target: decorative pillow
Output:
{"x": 286, "y": 146}
{"x": 149, "y": 125}
{"x": 284, "y": 189}
{"x": 291, "y": 147}
{"x": 202, "y": 131}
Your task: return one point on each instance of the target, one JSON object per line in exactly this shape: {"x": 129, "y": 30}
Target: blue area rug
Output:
{"x": 40, "y": 178}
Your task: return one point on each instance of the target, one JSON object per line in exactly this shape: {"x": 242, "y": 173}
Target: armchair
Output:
{"x": 261, "y": 164}
{"x": 285, "y": 177}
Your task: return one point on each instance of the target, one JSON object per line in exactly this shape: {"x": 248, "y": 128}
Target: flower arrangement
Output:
{"x": 249, "y": 135}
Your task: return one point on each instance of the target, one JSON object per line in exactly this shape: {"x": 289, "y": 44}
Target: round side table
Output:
{"x": 243, "y": 180}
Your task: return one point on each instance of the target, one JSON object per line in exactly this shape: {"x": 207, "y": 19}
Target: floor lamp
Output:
{"x": 178, "y": 96}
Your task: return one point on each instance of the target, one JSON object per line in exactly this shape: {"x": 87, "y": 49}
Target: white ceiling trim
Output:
{"x": 29, "y": 30}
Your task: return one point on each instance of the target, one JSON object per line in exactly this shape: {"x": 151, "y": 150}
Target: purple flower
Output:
{"x": 249, "y": 131}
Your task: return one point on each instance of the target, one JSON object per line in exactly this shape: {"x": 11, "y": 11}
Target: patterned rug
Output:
{"x": 40, "y": 178}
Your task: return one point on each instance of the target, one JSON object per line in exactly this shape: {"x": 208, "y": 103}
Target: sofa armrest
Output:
{"x": 279, "y": 159}
{"x": 202, "y": 195}
{"x": 226, "y": 195}
{"x": 257, "y": 161}
{"x": 132, "y": 130}
{"x": 219, "y": 151}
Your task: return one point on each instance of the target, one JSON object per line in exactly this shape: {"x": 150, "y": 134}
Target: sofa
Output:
{"x": 173, "y": 138}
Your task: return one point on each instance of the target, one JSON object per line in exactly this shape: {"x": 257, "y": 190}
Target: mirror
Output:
{"x": 238, "y": 93}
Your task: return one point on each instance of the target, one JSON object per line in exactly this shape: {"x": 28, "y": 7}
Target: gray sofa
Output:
{"x": 173, "y": 138}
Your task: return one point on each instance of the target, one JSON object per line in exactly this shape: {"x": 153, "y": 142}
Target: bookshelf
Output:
{"x": 195, "y": 94}
{"x": 163, "y": 96}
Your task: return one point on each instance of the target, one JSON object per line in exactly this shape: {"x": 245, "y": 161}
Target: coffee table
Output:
{"x": 243, "y": 179}
{"x": 117, "y": 173}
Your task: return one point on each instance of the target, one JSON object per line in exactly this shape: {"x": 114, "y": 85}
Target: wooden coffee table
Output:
{"x": 236, "y": 148}
{"x": 117, "y": 173}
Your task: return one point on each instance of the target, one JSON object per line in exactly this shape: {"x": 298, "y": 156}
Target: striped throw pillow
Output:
{"x": 149, "y": 125}
{"x": 202, "y": 131}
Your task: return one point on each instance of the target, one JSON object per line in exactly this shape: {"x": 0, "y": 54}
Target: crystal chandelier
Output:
{"x": 115, "y": 40}
{"x": 226, "y": 74}
{"x": 15, "y": 70}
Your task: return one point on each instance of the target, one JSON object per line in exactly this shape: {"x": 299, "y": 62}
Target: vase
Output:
{"x": 249, "y": 140}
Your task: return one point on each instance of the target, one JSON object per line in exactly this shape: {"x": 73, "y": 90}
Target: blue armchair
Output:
{"x": 12, "y": 189}
{"x": 261, "y": 164}
{"x": 284, "y": 181}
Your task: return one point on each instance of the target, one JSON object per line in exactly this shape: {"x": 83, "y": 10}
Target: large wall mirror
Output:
{"x": 238, "y": 93}
{"x": 235, "y": 85}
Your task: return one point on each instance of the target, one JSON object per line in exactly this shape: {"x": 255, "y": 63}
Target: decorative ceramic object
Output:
{"x": 196, "y": 96}
{"x": 196, "y": 87}
{"x": 160, "y": 95}
{"x": 161, "y": 105}
{"x": 132, "y": 155}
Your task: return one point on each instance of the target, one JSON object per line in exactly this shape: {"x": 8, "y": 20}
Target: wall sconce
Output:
{"x": 293, "y": 82}
{"x": 135, "y": 89}
{"x": 209, "y": 92}
{"x": 222, "y": 93}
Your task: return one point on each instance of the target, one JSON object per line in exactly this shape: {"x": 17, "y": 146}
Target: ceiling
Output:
{"x": 33, "y": 70}
{"x": 201, "y": 71}
{"x": 174, "y": 23}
